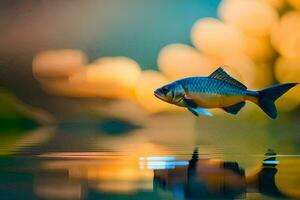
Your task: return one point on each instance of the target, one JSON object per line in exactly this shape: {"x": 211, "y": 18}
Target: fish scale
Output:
{"x": 211, "y": 86}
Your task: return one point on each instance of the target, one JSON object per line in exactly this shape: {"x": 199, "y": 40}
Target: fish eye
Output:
{"x": 165, "y": 90}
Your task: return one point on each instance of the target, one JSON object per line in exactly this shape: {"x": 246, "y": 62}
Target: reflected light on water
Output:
{"x": 167, "y": 162}
{"x": 289, "y": 184}
{"x": 134, "y": 165}
{"x": 12, "y": 144}
{"x": 55, "y": 189}
{"x": 106, "y": 172}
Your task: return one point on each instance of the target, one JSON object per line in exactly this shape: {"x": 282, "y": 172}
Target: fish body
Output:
{"x": 219, "y": 90}
{"x": 213, "y": 93}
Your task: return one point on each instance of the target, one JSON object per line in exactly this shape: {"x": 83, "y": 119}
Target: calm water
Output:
{"x": 167, "y": 157}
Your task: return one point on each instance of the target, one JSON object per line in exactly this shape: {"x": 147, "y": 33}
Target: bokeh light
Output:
{"x": 277, "y": 4}
{"x": 289, "y": 101}
{"x": 288, "y": 70}
{"x": 179, "y": 60}
{"x": 71, "y": 89}
{"x": 259, "y": 49}
{"x": 246, "y": 41}
{"x": 114, "y": 71}
{"x": 286, "y": 35}
{"x": 146, "y": 84}
{"x": 114, "y": 77}
{"x": 294, "y": 3}
{"x": 242, "y": 67}
{"x": 217, "y": 39}
{"x": 58, "y": 63}
{"x": 264, "y": 75}
{"x": 66, "y": 73}
{"x": 109, "y": 134}
{"x": 253, "y": 17}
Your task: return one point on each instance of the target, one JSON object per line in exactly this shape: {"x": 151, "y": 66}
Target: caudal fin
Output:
{"x": 268, "y": 96}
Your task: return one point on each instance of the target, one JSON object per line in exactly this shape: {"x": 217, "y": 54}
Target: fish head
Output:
{"x": 172, "y": 93}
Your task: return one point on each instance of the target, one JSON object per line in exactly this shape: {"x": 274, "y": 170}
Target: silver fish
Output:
{"x": 219, "y": 90}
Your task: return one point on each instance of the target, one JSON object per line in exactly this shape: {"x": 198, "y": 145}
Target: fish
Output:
{"x": 219, "y": 90}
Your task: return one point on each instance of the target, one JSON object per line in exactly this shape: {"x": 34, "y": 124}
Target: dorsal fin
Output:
{"x": 222, "y": 75}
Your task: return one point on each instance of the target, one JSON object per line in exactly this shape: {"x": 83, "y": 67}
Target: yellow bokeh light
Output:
{"x": 106, "y": 77}
{"x": 264, "y": 76}
{"x": 286, "y": 35}
{"x": 259, "y": 49}
{"x": 179, "y": 60}
{"x": 217, "y": 39}
{"x": 65, "y": 88}
{"x": 253, "y": 17}
{"x": 245, "y": 41}
{"x": 277, "y": 4}
{"x": 85, "y": 89}
{"x": 295, "y": 3}
{"x": 148, "y": 82}
{"x": 287, "y": 69}
{"x": 289, "y": 101}
{"x": 58, "y": 63}
{"x": 242, "y": 67}
{"x": 116, "y": 70}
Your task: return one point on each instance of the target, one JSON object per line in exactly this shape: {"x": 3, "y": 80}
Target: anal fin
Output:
{"x": 234, "y": 109}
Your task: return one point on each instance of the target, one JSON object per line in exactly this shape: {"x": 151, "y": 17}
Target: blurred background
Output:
{"x": 78, "y": 119}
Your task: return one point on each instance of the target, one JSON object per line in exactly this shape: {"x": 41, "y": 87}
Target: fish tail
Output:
{"x": 267, "y": 97}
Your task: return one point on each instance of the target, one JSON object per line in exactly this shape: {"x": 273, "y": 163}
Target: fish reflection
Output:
{"x": 210, "y": 178}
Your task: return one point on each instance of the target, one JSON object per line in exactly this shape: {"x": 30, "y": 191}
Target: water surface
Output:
{"x": 173, "y": 157}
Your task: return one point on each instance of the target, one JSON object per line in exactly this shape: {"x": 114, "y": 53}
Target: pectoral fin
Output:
{"x": 193, "y": 108}
{"x": 234, "y": 109}
{"x": 199, "y": 111}
{"x": 190, "y": 103}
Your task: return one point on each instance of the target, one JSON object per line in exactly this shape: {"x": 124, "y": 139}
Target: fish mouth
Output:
{"x": 159, "y": 95}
